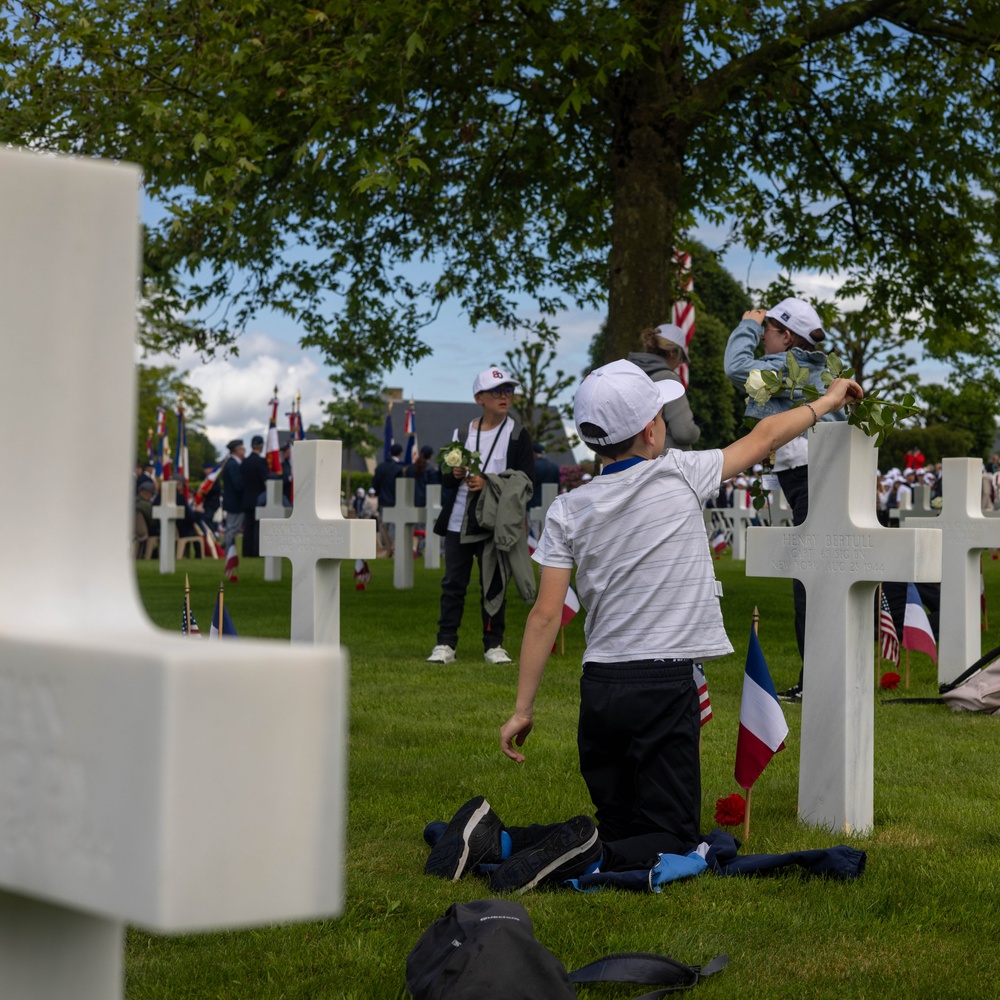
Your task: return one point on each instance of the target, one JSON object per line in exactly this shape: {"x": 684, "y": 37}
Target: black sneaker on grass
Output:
{"x": 567, "y": 852}
{"x": 472, "y": 837}
{"x": 793, "y": 694}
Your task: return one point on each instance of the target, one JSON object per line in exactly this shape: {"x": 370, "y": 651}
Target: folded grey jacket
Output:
{"x": 498, "y": 520}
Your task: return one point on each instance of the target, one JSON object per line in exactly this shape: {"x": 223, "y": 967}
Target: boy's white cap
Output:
{"x": 800, "y": 318}
{"x": 490, "y": 379}
{"x": 621, "y": 399}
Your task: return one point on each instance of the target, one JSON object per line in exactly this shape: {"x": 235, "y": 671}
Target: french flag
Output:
{"x": 222, "y": 624}
{"x": 762, "y": 724}
{"x": 571, "y": 605}
{"x": 917, "y": 632}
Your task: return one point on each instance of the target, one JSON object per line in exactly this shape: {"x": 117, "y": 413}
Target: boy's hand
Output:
{"x": 515, "y": 730}
{"x": 842, "y": 391}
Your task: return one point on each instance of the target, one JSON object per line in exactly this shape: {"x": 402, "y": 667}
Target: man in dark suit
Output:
{"x": 232, "y": 493}
{"x": 255, "y": 474}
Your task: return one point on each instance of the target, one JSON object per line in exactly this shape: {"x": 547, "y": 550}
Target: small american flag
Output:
{"x": 704, "y": 702}
{"x": 188, "y": 625}
{"x": 890, "y": 641}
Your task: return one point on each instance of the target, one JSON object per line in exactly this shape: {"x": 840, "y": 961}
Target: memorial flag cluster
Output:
{"x": 220, "y": 613}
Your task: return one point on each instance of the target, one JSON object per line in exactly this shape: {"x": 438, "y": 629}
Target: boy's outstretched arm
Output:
{"x": 540, "y": 633}
{"x": 774, "y": 431}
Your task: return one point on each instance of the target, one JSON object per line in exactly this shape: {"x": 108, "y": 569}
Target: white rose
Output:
{"x": 755, "y": 387}
{"x": 453, "y": 458}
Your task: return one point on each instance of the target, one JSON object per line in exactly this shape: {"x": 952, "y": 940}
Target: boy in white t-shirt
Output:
{"x": 502, "y": 444}
{"x": 645, "y": 576}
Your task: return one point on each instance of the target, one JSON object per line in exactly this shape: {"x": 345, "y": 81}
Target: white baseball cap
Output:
{"x": 620, "y": 399}
{"x": 490, "y": 379}
{"x": 671, "y": 335}
{"x": 800, "y": 318}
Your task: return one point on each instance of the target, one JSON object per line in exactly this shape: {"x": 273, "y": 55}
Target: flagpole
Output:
{"x": 907, "y": 669}
{"x": 187, "y": 604}
{"x": 746, "y": 812}
{"x": 878, "y": 639}
{"x": 985, "y": 623}
{"x": 222, "y": 601}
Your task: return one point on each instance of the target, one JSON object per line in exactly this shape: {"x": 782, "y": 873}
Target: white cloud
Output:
{"x": 238, "y": 389}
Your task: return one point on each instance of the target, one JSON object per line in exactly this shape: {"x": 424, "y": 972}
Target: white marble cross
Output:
{"x": 903, "y": 508}
{"x": 147, "y": 778}
{"x": 739, "y": 516}
{"x": 918, "y": 506}
{"x": 168, "y": 512}
{"x": 432, "y": 542}
{"x": 274, "y": 508}
{"x": 404, "y": 515}
{"x": 317, "y": 538}
{"x": 966, "y": 531}
{"x": 840, "y": 553}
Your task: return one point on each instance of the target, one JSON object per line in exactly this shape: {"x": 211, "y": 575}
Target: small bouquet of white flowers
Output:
{"x": 457, "y": 456}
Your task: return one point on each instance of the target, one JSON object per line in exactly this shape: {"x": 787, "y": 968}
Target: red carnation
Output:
{"x": 890, "y": 680}
{"x": 730, "y": 810}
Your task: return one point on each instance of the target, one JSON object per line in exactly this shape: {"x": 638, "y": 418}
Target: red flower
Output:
{"x": 730, "y": 810}
{"x": 890, "y": 680}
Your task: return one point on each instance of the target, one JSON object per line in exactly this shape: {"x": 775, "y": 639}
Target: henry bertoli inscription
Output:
{"x": 838, "y": 553}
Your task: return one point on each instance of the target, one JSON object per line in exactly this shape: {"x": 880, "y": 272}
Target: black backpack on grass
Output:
{"x": 486, "y": 949}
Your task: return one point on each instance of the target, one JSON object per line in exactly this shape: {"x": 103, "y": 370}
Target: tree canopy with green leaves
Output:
{"x": 355, "y": 164}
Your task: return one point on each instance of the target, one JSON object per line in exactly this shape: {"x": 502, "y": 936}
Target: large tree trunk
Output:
{"x": 647, "y": 166}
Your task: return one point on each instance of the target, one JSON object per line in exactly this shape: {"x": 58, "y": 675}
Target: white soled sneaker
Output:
{"x": 441, "y": 654}
{"x": 497, "y": 655}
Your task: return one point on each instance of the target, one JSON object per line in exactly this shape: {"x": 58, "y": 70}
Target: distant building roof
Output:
{"x": 436, "y": 424}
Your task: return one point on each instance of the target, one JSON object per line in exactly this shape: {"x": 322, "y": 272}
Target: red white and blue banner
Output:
{"x": 388, "y": 439}
{"x": 182, "y": 450}
{"x": 410, "y": 429}
{"x": 273, "y": 450}
{"x": 917, "y": 634}
{"x": 762, "y": 723}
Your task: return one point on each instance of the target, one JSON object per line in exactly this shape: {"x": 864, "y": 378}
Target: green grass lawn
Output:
{"x": 921, "y": 922}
